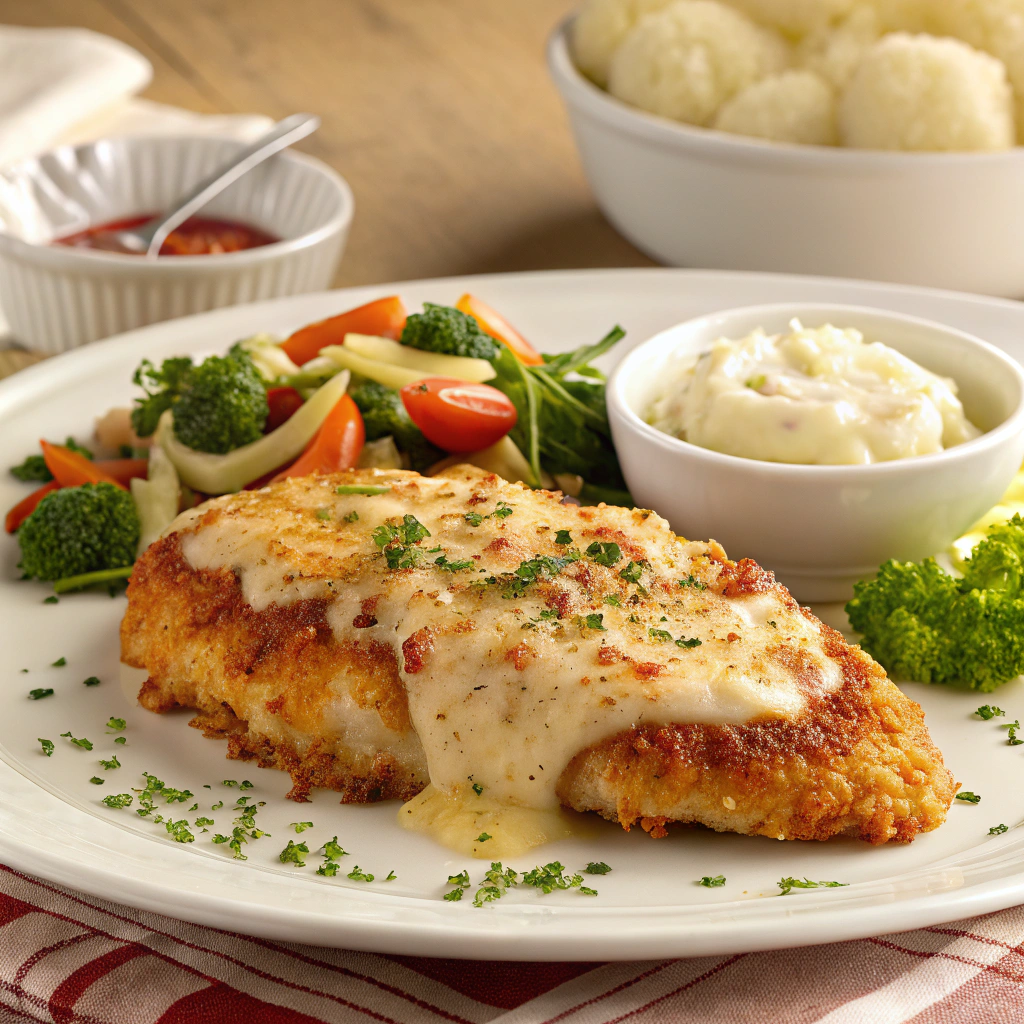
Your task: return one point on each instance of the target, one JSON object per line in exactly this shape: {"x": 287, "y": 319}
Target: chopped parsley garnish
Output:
{"x": 595, "y": 620}
{"x": 692, "y": 581}
{"x": 391, "y": 876}
{"x": 787, "y": 885}
{"x": 712, "y": 881}
{"x": 231, "y": 783}
{"x": 399, "y": 543}
{"x": 112, "y": 763}
{"x": 179, "y": 831}
{"x": 47, "y": 746}
{"x": 501, "y": 511}
{"x": 457, "y": 566}
{"x": 217, "y": 806}
{"x": 968, "y": 797}
{"x": 987, "y": 711}
{"x": 293, "y": 854}
{"x": 563, "y": 537}
{"x": 40, "y": 693}
{"x": 477, "y": 788}
{"x": 541, "y": 567}
{"x": 997, "y": 830}
{"x": 332, "y": 850}
{"x": 324, "y": 513}
{"x": 758, "y": 382}
{"x": 604, "y": 554}
{"x": 83, "y": 743}
{"x": 455, "y": 895}
{"x": 551, "y": 877}
{"x": 597, "y": 868}
{"x": 118, "y": 800}
{"x": 663, "y": 635}
{"x": 660, "y": 635}
{"x": 632, "y": 573}
{"x": 96, "y": 780}
{"x": 483, "y": 837}
{"x": 116, "y": 724}
{"x": 613, "y": 600}
{"x": 328, "y": 869}
{"x": 59, "y": 663}
{"x": 52, "y": 599}
{"x": 360, "y": 489}
{"x": 462, "y": 878}
{"x": 300, "y": 826}
{"x": 203, "y": 822}
{"x": 120, "y": 740}
{"x": 1012, "y": 739}
{"x": 91, "y": 681}
{"x": 689, "y": 643}
{"x": 351, "y": 517}
{"x": 358, "y": 875}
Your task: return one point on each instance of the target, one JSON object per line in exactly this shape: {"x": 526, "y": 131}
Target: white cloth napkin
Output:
{"x": 62, "y": 86}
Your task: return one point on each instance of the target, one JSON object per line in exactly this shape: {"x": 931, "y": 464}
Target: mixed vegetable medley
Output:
{"x": 375, "y": 386}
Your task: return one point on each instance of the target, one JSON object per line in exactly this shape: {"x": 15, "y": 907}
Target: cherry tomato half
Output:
{"x": 458, "y": 416}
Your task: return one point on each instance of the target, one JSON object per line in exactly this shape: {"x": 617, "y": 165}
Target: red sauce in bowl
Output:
{"x": 198, "y": 236}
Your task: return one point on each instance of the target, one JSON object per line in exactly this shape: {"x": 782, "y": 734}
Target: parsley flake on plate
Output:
{"x": 47, "y": 746}
{"x": 300, "y": 826}
{"x": 1012, "y": 740}
{"x": 120, "y": 740}
{"x": 332, "y": 850}
{"x": 712, "y": 881}
{"x": 997, "y": 830}
{"x": 52, "y": 599}
{"x": 40, "y": 693}
{"x": 116, "y": 724}
{"x": 83, "y": 743}
{"x": 483, "y": 837}
{"x": 787, "y": 885}
{"x": 391, "y": 876}
{"x": 112, "y": 763}
{"x": 96, "y": 780}
{"x": 118, "y": 800}
{"x": 59, "y": 663}
{"x": 293, "y": 854}
{"x": 987, "y": 711}
{"x": 597, "y": 868}
{"x": 91, "y": 681}
{"x": 477, "y": 788}
{"x": 968, "y": 797}
{"x": 358, "y": 875}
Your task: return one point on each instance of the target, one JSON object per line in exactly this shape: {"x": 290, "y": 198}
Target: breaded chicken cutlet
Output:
{"x": 372, "y": 631}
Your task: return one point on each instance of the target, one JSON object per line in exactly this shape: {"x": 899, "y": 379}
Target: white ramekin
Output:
{"x": 822, "y": 528}
{"x": 693, "y": 197}
{"x": 57, "y": 298}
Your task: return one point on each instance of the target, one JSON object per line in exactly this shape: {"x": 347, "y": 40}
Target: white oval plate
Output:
{"x": 53, "y": 824}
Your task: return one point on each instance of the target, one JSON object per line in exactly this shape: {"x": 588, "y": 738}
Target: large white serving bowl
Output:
{"x": 822, "y": 528}
{"x": 57, "y": 297}
{"x": 693, "y": 197}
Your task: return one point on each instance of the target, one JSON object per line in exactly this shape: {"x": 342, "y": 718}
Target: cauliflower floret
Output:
{"x": 600, "y": 27}
{"x": 927, "y": 94}
{"x": 795, "y": 17}
{"x": 796, "y": 106}
{"x": 834, "y": 53}
{"x": 908, "y": 15}
{"x": 685, "y": 62}
{"x": 993, "y": 25}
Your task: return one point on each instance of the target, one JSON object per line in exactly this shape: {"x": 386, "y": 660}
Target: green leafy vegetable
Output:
{"x": 47, "y": 746}
{"x": 78, "y": 530}
{"x": 922, "y": 623}
{"x": 448, "y": 331}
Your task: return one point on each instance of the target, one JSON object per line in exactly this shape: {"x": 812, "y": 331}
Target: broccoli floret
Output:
{"x": 79, "y": 529}
{"x": 922, "y": 623}
{"x": 446, "y": 330}
{"x": 384, "y": 415}
{"x": 223, "y": 405}
{"x": 162, "y": 387}
{"x": 34, "y": 466}
{"x": 218, "y": 406}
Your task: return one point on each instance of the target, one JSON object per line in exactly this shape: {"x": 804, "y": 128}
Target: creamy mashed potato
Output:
{"x": 815, "y": 396}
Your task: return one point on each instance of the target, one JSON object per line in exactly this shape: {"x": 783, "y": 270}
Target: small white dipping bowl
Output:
{"x": 822, "y": 528}
{"x": 58, "y": 297}
{"x": 694, "y": 197}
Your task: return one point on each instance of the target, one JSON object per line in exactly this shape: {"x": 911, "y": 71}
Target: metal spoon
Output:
{"x": 149, "y": 237}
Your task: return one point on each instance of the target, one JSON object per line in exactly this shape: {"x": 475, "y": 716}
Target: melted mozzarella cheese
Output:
{"x": 501, "y": 692}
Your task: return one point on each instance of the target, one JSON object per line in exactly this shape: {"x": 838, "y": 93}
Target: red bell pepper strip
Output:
{"x": 70, "y": 469}
{"x": 17, "y": 515}
{"x": 123, "y": 470}
{"x": 336, "y": 445}
{"x": 493, "y": 323}
{"x": 283, "y": 404}
{"x": 384, "y": 318}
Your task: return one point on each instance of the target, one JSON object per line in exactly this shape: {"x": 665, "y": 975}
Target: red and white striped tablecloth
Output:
{"x": 73, "y": 959}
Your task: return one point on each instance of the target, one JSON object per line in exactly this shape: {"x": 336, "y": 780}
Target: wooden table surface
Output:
{"x": 439, "y": 113}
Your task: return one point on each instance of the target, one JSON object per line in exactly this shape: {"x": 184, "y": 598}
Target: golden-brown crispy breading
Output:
{"x": 643, "y": 677}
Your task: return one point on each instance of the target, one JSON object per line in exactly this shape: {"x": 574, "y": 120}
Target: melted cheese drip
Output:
{"x": 460, "y": 818}
{"x": 491, "y": 701}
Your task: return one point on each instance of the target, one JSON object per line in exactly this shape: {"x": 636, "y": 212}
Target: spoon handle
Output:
{"x": 281, "y": 136}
